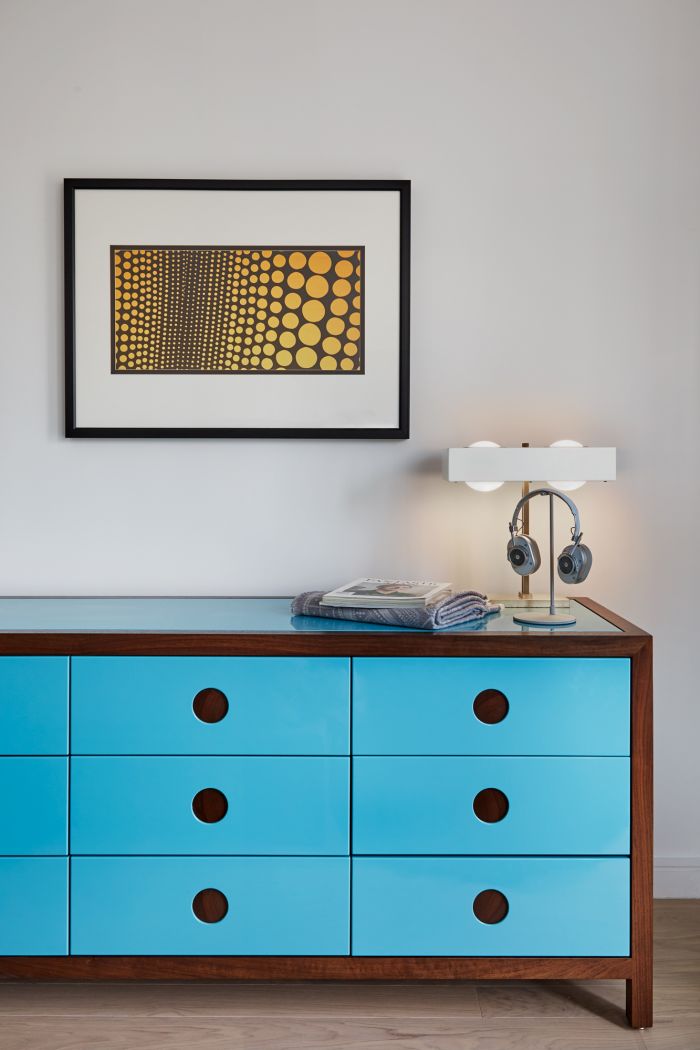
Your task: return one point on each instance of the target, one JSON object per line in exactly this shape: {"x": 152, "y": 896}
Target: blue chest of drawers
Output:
{"x": 206, "y": 787}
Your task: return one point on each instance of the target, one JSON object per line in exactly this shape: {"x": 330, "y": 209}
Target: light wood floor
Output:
{"x": 461, "y": 1016}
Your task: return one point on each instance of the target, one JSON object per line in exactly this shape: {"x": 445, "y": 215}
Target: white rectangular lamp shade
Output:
{"x": 564, "y": 463}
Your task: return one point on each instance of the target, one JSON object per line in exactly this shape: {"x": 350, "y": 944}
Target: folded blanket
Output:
{"x": 447, "y": 612}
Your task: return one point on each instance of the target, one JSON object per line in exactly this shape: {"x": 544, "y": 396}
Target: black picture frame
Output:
{"x": 400, "y": 186}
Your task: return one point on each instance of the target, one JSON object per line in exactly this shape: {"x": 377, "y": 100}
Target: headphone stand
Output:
{"x": 551, "y": 618}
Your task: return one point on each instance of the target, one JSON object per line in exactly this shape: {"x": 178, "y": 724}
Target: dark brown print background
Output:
{"x": 226, "y": 310}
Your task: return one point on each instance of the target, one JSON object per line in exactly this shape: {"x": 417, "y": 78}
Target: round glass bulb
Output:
{"x": 484, "y": 486}
{"x": 566, "y": 486}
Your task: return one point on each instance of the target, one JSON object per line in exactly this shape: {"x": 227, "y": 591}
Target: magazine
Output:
{"x": 369, "y": 593}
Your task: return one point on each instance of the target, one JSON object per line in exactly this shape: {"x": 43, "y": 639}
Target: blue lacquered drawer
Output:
{"x": 33, "y": 905}
{"x": 271, "y": 906}
{"x": 554, "y": 906}
{"x": 34, "y": 813}
{"x": 442, "y": 706}
{"x": 264, "y": 805}
{"x": 165, "y": 705}
{"x": 491, "y": 805}
{"x": 33, "y": 705}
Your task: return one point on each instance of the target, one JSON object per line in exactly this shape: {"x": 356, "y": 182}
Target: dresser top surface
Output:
{"x": 225, "y": 616}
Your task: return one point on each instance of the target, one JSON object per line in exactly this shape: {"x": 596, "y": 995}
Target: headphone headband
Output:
{"x": 547, "y": 492}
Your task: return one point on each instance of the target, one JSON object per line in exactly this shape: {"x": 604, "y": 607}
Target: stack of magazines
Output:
{"x": 368, "y": 593}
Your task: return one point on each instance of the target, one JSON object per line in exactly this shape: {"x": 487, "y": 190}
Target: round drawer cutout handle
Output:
{"x": 491, "y": 805}
{"x": 210, "y": 705}
{"x": 210, "y": 805}
{"x": 490, "y": 906}
{"x": 210, "y": 905}
{"x": 491, "y": 706}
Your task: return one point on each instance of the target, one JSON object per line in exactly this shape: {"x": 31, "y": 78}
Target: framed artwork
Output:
{"x": 216, "y": 308}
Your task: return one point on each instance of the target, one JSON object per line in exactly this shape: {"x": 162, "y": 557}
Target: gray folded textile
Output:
{"x": 447, "y": 612}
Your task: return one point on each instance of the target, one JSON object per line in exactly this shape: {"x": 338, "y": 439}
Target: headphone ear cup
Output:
{"x": 574, "y": 563}
{"x": 523, "y": 555}
{"x": 586, "y": 562}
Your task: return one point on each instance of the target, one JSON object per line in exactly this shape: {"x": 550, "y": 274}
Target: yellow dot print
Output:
{"x": 346, "y": 364}
{"x": 320, "y": 262}
{"x": 343, "y": 268}
{"x": 268, "y": 349}
{"x": 353, "y": 333}
{"x": 341, "y": 287}
{"x": 309, "y": 334}
{"x": 335, "y": 325}
{"x": 276, "y": 308}
{"x": 296, "y": 280}
{"x": 277, "y": 276}
{"x": 279, "y": 260}
{"x": 350, "y": 349}
{"x": 292, "y": 300}
{"x": 306, "y": 357}
{"x": 290, "y": 320}
{"x": 313, "y": 310}
{"x": 329, "y": 364}
{"x": 339, "y": 306}
{"x": 331, "y": 345}
{"x": 288, "y": 339}
{"x": 284, "y": 358}
{"x": 297, "y": 260}
{"x": 317, "y": 286}
{"x": 277, "y": 293}
{"x": 267, "y": 364}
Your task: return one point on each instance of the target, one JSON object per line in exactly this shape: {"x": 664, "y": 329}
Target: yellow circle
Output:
{"x": 339, "y": 306}
{"x": 277, "y": 276}
{"x": 277, "y": 293}
{"x": 276, "y": 308}
{"x": 274, "y": 322}
{"x": 343, "y": 268}
{"x": 255, "y": 360}
{"x": 331, "y": 345}
{"x": 306, "y": 357}
{"x": 317, "y": 286}
{"x": 290, "y": 320}
{"x": 347, "y": 254}
{"x": 329, "y": 364}
{"x": 279, "y": 260}
{"x": 319, "y": 262}
{"x": 357, "y": 302}
{"x": 354, "y": 318}
{"x": 297, "y": 260}
{"x": 268, "y": 349}
{"x": 346, "y": 364}
{"x": 353, "y": 333}
{"x": 341, "y": 287}
{"x": 271, "y": 335}
{"x": 267, "y": 364}
{"x": 335, "y": 325}
{"x": 350, "y": 349}
{"x": 284, "y": 358}
{"x": 292, "y": 300}
{"x": 296, "y": 280}
{"x": 288, "y": 339}
{"x": 313, "y": 310}
{"x": 310, "y": 334}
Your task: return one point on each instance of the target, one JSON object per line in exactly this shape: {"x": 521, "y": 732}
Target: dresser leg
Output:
{"x": 640, "y": 1012}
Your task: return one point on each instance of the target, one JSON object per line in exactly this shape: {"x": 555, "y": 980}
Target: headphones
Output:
{"x": 574, "y": 562}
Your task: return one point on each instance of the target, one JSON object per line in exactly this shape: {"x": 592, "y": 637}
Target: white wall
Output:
{"x": 554, "y": 150}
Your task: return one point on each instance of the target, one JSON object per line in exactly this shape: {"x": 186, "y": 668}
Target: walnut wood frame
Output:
{"x": 635, "y": 969}
{"x": 400, "y": 186}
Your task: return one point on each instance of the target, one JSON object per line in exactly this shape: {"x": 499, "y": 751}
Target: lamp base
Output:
{"x": 544, "y": 619}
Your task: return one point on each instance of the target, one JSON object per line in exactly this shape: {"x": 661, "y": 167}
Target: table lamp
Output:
{"x": 484, "y": 466}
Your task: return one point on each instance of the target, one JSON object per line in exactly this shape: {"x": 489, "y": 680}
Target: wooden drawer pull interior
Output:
{"x": 491, "y": 805}
{"x": 490, "y": 906}
{"x": 210, "y": 905}
{"x": 491, "y": 706}
{"x": 210, "y": 705}
{"x": 210, "y": 805}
